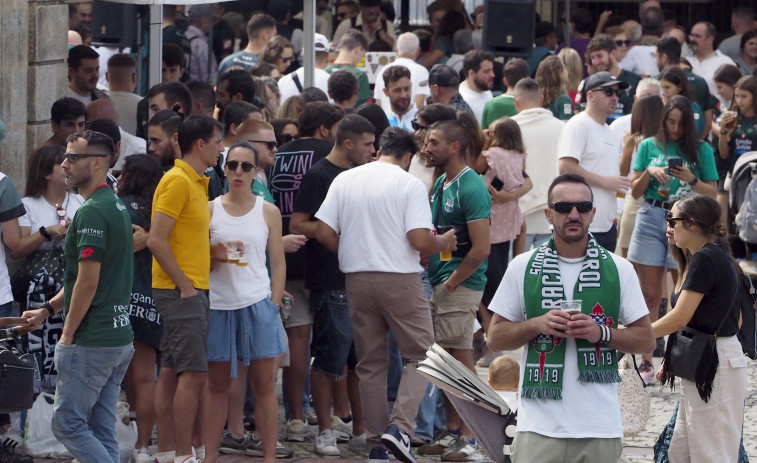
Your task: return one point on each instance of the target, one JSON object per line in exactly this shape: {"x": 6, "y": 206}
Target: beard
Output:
{"x": 482, "y": 85}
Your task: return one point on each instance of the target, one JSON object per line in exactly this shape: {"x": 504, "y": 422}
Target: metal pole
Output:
{"x": 567, "y": 24}
{"x": 156, "y": 44}
{"x": 308, "y": 49}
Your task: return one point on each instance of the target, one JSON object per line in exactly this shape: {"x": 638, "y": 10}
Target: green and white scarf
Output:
{"x": 598, "y": 287}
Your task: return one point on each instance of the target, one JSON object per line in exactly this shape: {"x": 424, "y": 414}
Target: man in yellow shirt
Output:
{"x": 180, "y": 279}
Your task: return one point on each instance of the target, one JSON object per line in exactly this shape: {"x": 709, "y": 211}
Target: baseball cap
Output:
{"x": 321, "y": 43}
{"x": 603, "y": 79}
{"x": 443, "y": 76}
{"x": 198, "y": 11}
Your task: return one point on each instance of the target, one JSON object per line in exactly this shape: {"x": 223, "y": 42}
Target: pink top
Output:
{"x": 506, "y": 217}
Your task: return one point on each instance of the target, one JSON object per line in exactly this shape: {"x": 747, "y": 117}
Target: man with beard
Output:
{"x": 569, "y": 408}
{"x": 461, "y": 201}
{"x": 706, "y": 60}
{"x": 476, "y": 89}
{"x": 398, "y": 87}
{"x": 601, "y": 55}
{"x": 377, "y": 217}
{"x": 162, "y": 138}
{"x": 83, "y": 74}
{"x": 234, "y": 85}
{"x": 589, "y": 148}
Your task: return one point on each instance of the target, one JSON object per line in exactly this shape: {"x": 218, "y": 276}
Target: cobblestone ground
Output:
{"x": 636, "y": 450}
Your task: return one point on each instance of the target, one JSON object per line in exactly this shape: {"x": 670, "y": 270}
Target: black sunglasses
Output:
{"x": 271, "y": 144}
{"x": 341, "y": 15}
{"x": 672, "y": 220}
{"x": 565, "y": 207}
{"x": 246, "y": 166}
{"x": 620, "y": 43}
{"x": 611, "y": 91}
{"x": 73, "y": 157}
{"x": 416, "y": 126}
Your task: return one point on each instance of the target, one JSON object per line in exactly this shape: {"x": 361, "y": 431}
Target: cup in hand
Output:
{"x": 663, "y": 189}
{"x": 571, "y": 307}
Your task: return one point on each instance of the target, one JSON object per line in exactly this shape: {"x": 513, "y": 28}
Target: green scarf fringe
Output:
{"x": 602, "y": 376}
{"x": 541, "y": 393}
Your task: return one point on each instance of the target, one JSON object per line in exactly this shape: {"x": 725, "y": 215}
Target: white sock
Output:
{"x": 199, "y": 452}
{"x": 165, "y": 457}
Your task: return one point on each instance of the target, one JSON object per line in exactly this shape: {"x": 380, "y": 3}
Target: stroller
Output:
{"x": 742, "y": 210}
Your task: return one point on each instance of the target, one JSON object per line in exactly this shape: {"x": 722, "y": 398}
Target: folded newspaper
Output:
{"x": 480, "y": 407}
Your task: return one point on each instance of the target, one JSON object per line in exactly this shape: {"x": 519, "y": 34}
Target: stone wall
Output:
{"x": 32, "y": 76}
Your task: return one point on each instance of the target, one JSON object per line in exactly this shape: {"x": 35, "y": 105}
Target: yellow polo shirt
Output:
{"x": 182, "y": 194}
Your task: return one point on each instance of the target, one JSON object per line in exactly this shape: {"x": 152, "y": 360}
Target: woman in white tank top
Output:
{"x": 245, "y": 332}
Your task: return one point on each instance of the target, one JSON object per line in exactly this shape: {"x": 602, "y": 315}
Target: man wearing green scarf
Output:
{"x": 569, "y": 408}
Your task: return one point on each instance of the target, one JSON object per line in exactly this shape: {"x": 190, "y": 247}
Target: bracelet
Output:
{"x": 606, "y": 335}
{"x": 49, "y": 308}
{"x": 45, "y": 234}
{"x": 694, "y": 182}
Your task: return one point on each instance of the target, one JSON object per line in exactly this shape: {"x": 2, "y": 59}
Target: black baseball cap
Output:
{"x": 443, "y": 76}
{"x": 603, "y": 79}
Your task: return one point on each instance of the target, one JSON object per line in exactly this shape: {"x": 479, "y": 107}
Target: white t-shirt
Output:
{"x": 40, "y": 213}
{"x": 404, "y": 121}
{"x": 706, "y": 70}
{"x": 418, "y": 74}
{"x": 127, "y": 109}
{"x": 72, "y": 94}
{"x": 619, "y": 127}
{"x": 476, "y": 100}
{"x": 640, "y": 60}
{"x": 372, "y": 208}
{"x": 129, "y": 145}
{"x": 588, "y": 410}
{"x": 288, "y": 88}
{"x": 597, "y": 150}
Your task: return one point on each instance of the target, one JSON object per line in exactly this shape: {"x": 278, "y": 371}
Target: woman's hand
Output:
{"x": 219, "y": 251}
{"x": 659, "y": 173}
{"x": 58, "y": 230}
{"x": 683, "y": 173}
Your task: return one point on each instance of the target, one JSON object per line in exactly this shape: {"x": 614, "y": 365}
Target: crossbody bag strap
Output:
{"x": 733, "y": 302}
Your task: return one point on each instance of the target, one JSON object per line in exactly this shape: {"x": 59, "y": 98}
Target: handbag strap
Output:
{"x": 636, "y": 369}
{"x": 733, "y": 302}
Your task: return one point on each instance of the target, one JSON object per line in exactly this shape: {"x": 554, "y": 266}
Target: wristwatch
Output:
{"x": 49, "y": 308}
{"x": 694, "y": 182}
{"x": 43, "y": 232}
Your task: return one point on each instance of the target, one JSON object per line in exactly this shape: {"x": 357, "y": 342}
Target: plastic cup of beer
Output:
{"x": 571, "y": 307}
{"x": 232, "y": 253}
{"x": 663, "y": 189}
{"x": 445, "y": 256}
{"x": 732, "y": 123}
{"x": 242, "y": 261}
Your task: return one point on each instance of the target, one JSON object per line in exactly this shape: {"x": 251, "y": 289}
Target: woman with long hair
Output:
{"x": 645, "y": 122}
{"x": 711, "y": 411}
{"x": 245, "y": 333}
{"x": 672, "y": 163}
{"x": 725, "y": 79}
{"x": 572, "y": 62}
{"x": 136, "y": 186}
{"x": 278, "y": 51}
{"x": 747, "y": 59}
{"x": 552, "y": 76}
{"x": 673, "y": 81}
{"x": 50, "y": 206}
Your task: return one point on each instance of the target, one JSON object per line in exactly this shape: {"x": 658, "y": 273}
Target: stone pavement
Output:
{"x": 636, "y": 450}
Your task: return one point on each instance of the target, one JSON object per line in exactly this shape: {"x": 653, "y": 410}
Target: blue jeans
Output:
{"x": 84, "y": 413}
{"x": 8, "y": 310}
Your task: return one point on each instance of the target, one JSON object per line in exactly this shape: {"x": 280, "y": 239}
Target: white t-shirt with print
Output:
{"x": 588, "y": 410}
{"x": 40, "y": 213}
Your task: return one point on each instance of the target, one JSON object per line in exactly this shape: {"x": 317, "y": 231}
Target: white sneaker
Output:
{"x": 311, "y": 417}
{"x": 359, "y": 444}
{"x": 325, "y": 444}
{"x": 12, "y": 439}
{"x": 297, "y": 430}
{"x": 342, "y": 430}
{"x": 141, "y": 456}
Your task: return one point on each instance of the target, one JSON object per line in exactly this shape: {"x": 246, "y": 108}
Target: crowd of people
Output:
{"x": 337, "y": 231}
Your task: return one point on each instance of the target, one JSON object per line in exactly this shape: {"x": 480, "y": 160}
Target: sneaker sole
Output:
{"x": 431, "y": 451}
{"x": 397, "y": 448}
{"x": 296, "y": 437}
{"x": 329, "y": 453}
{"x": 230, "y": 451}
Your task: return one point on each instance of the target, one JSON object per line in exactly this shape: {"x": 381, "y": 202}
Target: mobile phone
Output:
{"x": 674, "y": 162}
{"x": 497, "y": 183}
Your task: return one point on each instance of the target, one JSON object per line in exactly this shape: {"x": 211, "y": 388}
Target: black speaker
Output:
{"x": 509, "y": 27}
{"x": 113, "y": 24}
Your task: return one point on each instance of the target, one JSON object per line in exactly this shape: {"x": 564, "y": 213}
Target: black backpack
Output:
{"x": 748, "y": 308}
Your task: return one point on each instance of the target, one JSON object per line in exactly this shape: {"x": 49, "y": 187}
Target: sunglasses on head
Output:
{"x": 620, "y": 43}
{"x": 246, "y": 166}
{"x": 610, "y": 91}
{"x": 565, "y": 207}
{"x": 73, "y": 157}
{"x": 416, "y": 126}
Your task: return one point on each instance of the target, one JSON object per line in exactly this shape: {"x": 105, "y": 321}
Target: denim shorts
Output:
{"x": 649, "y": 245}
{"x": 332, "y": 344}
{"x": 183, "y": 344}
{"x": 250, "y": 333}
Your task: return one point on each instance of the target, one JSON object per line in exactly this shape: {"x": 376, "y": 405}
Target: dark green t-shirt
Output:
{"x": 101, "y": 230}
{"x": 364, "y": 92}
{"x": 464, "y": 199}
{"x": 562, "y": 107}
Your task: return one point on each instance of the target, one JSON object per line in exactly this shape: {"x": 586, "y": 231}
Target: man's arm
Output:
{"x": 616, "y": 183}
{"x": 508, "y": 335}
{"x": 81, "y": 298}
{"x": 478, "y": 231}
{"x": 327, "y": 237}
{"x": 427, "y": 243}
{"x": 635, "y": 338}
{"x": 11, "y": 233}
{"x": 157, "y": 241}
{"x": 301, "y": 224}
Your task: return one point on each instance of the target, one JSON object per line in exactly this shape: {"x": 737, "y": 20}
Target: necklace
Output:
{"x": 566, "y": 260}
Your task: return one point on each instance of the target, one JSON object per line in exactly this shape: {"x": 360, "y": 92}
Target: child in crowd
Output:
{"x": 504, "y": 377}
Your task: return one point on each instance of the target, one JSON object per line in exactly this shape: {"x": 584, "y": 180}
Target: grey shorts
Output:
{"x": 183, "y": 346}
{"x": 301, "y": 313}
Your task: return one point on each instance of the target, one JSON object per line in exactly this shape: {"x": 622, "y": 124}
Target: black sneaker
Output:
{"x": 398, "y": 442}
{"x": 233, "y": 446}
{"x": 378, "y": 455}
{"x": 255, "y": 448}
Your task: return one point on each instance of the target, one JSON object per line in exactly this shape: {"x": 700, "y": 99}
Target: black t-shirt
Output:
{"x": 292, "y": 162}
{"x": 711, "y": 273}
{"x": 321, "y": 265}
{"x": 223, "y": 40}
